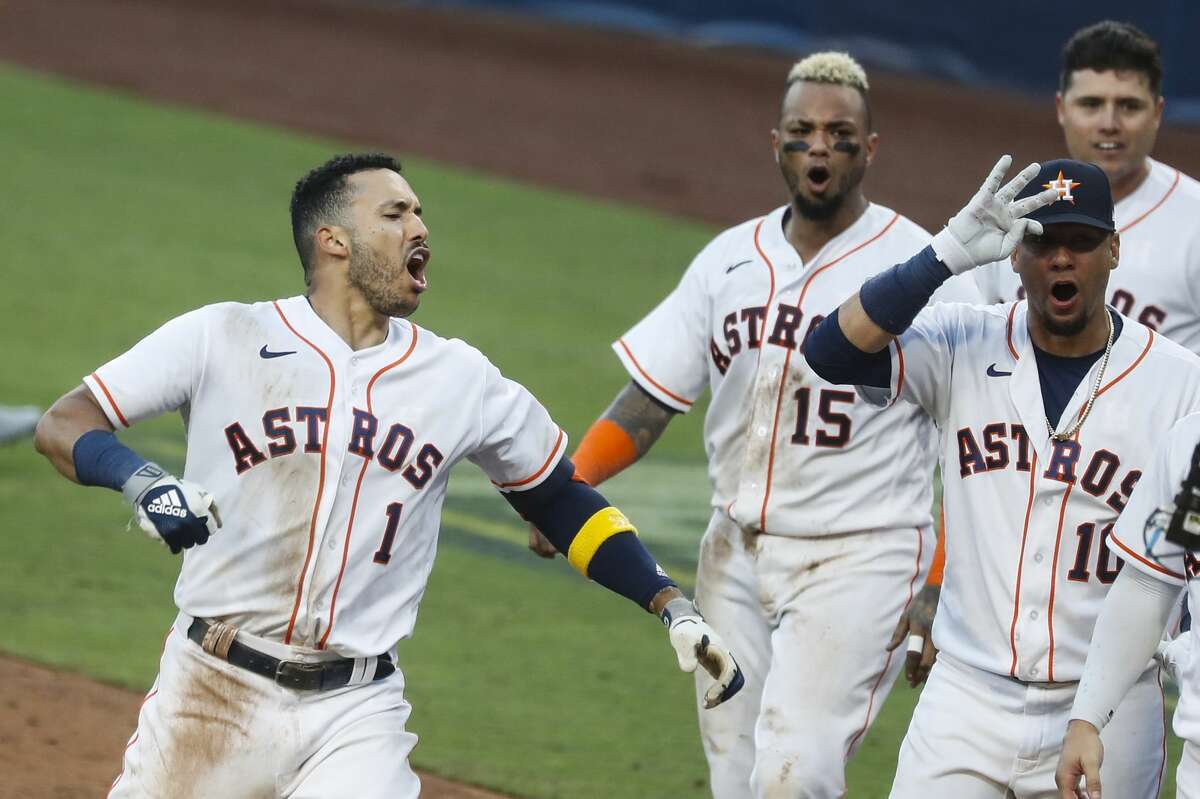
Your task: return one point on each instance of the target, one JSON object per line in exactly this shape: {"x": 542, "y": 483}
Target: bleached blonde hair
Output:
{"x": 833, "y": 67}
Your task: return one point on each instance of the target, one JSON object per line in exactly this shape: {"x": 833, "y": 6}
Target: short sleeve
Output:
{"x": 921, "y": 362}
{"x": 158, "y": 374}
{"x": 1140, "y": 533}
{"x": 667, "y": 352}
{"x": 520, "y": 444}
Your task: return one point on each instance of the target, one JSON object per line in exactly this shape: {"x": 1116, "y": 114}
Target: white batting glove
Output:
{"x": 1171, "y": 655}
{"x": 991, "y": 225}
{"x": 697, "y": 644}
{"x": 180, "y": 514}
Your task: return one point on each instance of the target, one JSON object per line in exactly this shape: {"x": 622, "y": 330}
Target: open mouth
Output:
{"x": 415, "y": 265}
{"x": 818, "y": 178}
{"x": 1063, "y": 294}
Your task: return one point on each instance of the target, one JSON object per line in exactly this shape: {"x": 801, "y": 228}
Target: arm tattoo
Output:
{"x": 641, "y": 416}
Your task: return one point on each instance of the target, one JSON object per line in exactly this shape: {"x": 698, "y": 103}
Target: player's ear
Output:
{"x": 872, "y": 144}
{"x": 1115, "y": 249}
{"x": 333, "y": 240}
{"x": 775, "y": 143}
{"x": 1058, "y": 107}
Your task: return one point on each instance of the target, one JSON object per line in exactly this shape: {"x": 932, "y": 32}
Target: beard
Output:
{"x": 821, "y": 209}
{"x": 375, "y": 279}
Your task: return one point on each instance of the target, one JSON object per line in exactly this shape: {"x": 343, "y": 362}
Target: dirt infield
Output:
{"x": 680, "y": 129}
{"x": 61, "y": 736}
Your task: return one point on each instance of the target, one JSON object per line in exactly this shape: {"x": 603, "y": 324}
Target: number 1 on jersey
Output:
{"x": 389, "y": 533}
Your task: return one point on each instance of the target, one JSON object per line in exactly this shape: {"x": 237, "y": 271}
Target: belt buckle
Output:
{"x": 299, "y": 676}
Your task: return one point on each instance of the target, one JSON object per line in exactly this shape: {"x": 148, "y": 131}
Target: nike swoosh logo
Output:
{"x": 993, "y": 372}
{"x": 735, "y": 266}
{"x": 266, "y": 353}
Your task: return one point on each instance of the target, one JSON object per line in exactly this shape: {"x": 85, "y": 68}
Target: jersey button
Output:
{"x": 762, "y": 431}
{"x": 1033, "y": 672}
{"x": 1033, "y": 614}
{"x": 1048, "y": 501}
{"x": 1038, "y": 558}
{"x": 774, "y": 373}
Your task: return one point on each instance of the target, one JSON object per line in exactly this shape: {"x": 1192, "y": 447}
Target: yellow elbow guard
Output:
{"x": 604, "y": 524}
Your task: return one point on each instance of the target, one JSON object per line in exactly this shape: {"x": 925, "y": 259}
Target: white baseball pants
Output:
{"x": 808, "y": 620}
{"x": 979, "y": 735}
{"x": 208, "y": 728}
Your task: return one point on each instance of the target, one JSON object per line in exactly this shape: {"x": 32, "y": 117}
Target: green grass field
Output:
{"x": 523, "y": 678}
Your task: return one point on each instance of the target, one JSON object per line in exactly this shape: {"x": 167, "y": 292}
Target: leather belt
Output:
{"x": 325, "y": 675}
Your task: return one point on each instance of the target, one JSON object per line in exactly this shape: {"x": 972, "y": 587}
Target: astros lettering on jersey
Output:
{"x": 331, "y": 465}
{"x": 1025, "y": 581}
{"x": 1157, "y": 281}
{"x": 737, "y": 323}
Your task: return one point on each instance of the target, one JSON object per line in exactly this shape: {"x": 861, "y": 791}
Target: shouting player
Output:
{"x": 325, "y": 426}
{"x": 1045, "y": 429}
{"x": 820, "y": 528}
{"x": 1138, "y": 608}
{"x": 1109, "y": 105}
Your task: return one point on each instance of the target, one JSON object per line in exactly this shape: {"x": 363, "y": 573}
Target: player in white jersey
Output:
{"x": 820, "y": 527}
{"x": 1109, "y": 105}
{"x": 325, "y": 426}
{"x": 1045, "y": 427}
{"x": 1158, "y": 535}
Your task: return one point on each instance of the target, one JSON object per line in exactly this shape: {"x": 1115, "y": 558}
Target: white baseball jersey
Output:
{"x": 1157, "y": 281}
{"x": 788, "y": 453}
{"x": 329, "y": 466}
{"x": 1144, "y": 547}
{"x": 1027, "y": 519}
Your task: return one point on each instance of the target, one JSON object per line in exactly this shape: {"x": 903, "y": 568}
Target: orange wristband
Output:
{"x": 605, "y": 450}
{"x": 938, "y": 567}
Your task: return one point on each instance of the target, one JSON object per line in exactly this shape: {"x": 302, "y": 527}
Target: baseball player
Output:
{"x": 1158, "y": 535}
{"x": 324, "y": 427}
{"x": 820, "y": 528}
{"x": 1045, "y": 429}
{"x": 1109, "y": 105}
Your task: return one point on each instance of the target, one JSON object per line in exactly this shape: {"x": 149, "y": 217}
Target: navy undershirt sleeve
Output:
{"x": 560, "y": 506}
{"x": 893, "y": 298}
{"x": 834, "y": 358}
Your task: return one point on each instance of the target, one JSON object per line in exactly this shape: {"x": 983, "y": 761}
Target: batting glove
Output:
{"x": 180, "y": 513}
{"x": 991, "y": 225}
{"x": 696, "y": 644}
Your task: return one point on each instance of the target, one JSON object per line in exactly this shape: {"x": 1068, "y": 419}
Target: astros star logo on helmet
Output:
{"x": 1063, "y": 186}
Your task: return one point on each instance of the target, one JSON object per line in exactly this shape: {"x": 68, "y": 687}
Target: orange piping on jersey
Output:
{"x": 553, "y": 450}
{"x": 770, "y": 268}
{"x": 1132, "y": 366}
{"x": 1154, "y": 207}
{"x": 937, "y": 569}
{"x": 1157, "y": 567}
{"x": 900, "y": 378}
{"x": 788, "y": 358}
{"x": 312, "y": 526}
{"x": 111, "y": 401}
{"x": 1008, "y": 332}
{"x": 1012, "y": 631}
{"x": 1062, "y": 512}
{"x": 888, "y": 661}
{"x": 652, "y": 381}
{"x": 358, "y": 485}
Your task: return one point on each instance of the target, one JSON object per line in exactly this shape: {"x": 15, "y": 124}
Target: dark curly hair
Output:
{"x": 1110, "y": 45}
{"x": 320, "y": 197}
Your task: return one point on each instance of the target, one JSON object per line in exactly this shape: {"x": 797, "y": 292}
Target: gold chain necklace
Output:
{"x": 1095, "y": 389}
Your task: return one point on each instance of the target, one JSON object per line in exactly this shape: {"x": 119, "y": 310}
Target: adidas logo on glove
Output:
{"x": 169, "y": 504}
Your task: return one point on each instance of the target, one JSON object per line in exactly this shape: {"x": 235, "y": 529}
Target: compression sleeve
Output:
{"x": 605, "y": 450}
{"x": 102, "y": 460}
{"x": 1130, "y": 625}
{"x": 834, "y": 358}
{"x": 893, "y": 298}
{"x": 598, "y": 540}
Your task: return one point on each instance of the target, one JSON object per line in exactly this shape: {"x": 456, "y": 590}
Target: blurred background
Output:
{"x": 571, "y": 159}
